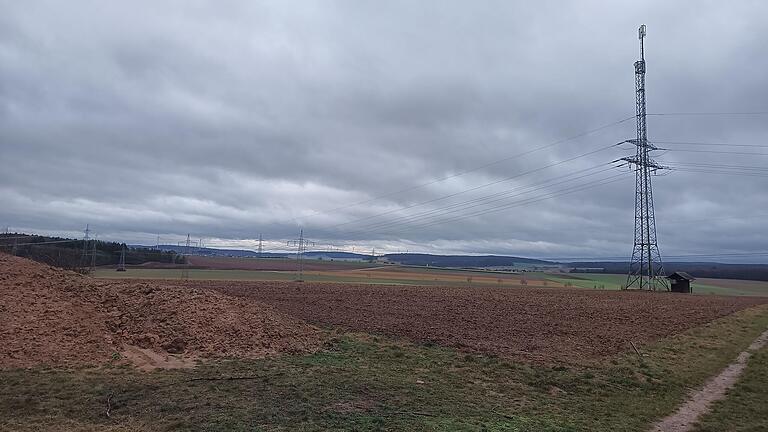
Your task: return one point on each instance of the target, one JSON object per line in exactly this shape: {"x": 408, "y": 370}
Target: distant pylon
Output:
{"x": 301, "y": 246}
{"x": 646, "y": 270}
{"x": 121, "y": 265}
{"x": 185, "y": 269}
{"x": 93, "y": 256}
{"x": 86, "y": 239}
{"x": 260, "y": 248}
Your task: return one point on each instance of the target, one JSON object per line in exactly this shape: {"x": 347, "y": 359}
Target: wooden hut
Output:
{"x": 680, "y": 282}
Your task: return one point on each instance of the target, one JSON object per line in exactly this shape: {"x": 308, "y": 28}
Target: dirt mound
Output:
{"x": 40, "y": 322}
{"x": 50, "y": 316}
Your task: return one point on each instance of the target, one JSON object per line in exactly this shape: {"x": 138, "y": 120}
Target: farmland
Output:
{"x": 243, "y": 269}
{"x": 87, "y": 353}
{"x": 529, "y": 324}
{"x": 699, "y": 286}
{"x": 319, "y": 271}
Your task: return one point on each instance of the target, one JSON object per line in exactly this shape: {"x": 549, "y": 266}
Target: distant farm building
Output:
{"x": 588, "y": 270}
{"x": 680, "y": 282}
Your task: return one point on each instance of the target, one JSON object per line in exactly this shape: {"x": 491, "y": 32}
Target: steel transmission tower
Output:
{"x": 121, "y": 265}
{"x": 86, "y": 240}
{"x": 185, "y": 269}
{"x": 646, "y": 271}
{"x": 301, "y": 246}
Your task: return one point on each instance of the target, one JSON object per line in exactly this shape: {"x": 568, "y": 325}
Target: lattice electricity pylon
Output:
{"x": 121, "y": 264}
{"x": 301, "y": 245}
{"x": 185, "y": 269}
{"x": 86, "y": 243}
{"x": 646, "y": 270}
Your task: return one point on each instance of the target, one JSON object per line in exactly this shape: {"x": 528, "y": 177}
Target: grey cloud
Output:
{"x": 229, "y": 119}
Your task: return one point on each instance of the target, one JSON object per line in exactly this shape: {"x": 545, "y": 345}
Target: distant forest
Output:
{"x": 695, "y": 269}
{"x": 68, "y": 253}
{"x": 463, "y": 260}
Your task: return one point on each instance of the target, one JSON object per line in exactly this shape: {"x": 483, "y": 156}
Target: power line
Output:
{"x": 528, "y": 201}
{"x": 485, "y": 200}
{"x": 709, "y": 144}
{"x": 740, "y": 167}
{"x": 737, "y": 113}
{"x": 712, "y": 255}
{"x": 485, "y": 185}
{"x": 717, "y": 152}
{"x": 470, "y": 170}
{"x": 524, "y": 202}
{"x": 749, "y": 216}
{"x": 732, "y": 173}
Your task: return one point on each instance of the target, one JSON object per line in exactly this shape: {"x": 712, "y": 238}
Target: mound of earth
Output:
{"x": 55, "y": 317}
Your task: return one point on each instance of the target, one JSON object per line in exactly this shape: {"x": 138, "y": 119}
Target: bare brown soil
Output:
{"x": 55, "y": 317}
{"x": 228, "y": 263}
{"x": 529, "y": 324}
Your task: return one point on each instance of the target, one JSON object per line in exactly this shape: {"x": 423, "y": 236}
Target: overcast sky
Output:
{"x": 399, "y": 125}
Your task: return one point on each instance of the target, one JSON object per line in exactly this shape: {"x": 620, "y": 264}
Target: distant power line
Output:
{"x": 485, "y": 200}
{"x": 463, "y": 191}
{"x": 520, "y": 203}
{"x": 710, "y": 144}
{"x": 470, "y": 170}
{"x": 736, "y": 113}
{"x": 717, "y": 151}
{"x": 712, "y": 255}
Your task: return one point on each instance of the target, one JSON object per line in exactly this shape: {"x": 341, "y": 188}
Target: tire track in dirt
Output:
{"x": 700, "y": 402}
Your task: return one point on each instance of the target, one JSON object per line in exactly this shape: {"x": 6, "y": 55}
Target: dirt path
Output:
{"x": 701, "y": 401}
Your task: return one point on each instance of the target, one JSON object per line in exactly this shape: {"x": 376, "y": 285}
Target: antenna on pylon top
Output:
{"x": 641, "y": 36}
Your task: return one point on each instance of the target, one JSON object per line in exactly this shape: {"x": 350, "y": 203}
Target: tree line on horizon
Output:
{"x": 69, "y": 254}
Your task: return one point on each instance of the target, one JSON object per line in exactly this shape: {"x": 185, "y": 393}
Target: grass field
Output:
{"x": 364, "y": 382}
{"x": 700, "y": 286}
{"x": 433, "y": 276}
{"x": 388, "y": 275}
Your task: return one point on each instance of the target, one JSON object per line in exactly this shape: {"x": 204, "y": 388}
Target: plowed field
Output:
{"x": 228, "y": 263}
{"x": 528, "y": 324}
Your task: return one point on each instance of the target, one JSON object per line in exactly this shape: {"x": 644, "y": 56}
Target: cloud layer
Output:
{"x": 230, "y": 119}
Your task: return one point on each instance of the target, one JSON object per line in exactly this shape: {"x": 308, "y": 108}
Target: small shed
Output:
{"x": 680, "y": 282}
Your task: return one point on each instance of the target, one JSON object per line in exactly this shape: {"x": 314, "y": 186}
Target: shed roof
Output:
{"x": 681, "y": 276}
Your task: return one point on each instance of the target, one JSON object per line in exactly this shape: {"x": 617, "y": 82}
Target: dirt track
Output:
{"x": 530, "y": 324}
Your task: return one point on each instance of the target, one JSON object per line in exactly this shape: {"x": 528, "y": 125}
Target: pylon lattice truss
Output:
{"x": 646, "y": 270}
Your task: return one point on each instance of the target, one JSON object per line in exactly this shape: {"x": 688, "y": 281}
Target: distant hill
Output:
{"x": 404, "y": 259}
{"x": 465, "y": 260}
{"x": 695, "y": 269}
{"x": 243, "y": 253}
{"x": 338, "y": 255}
